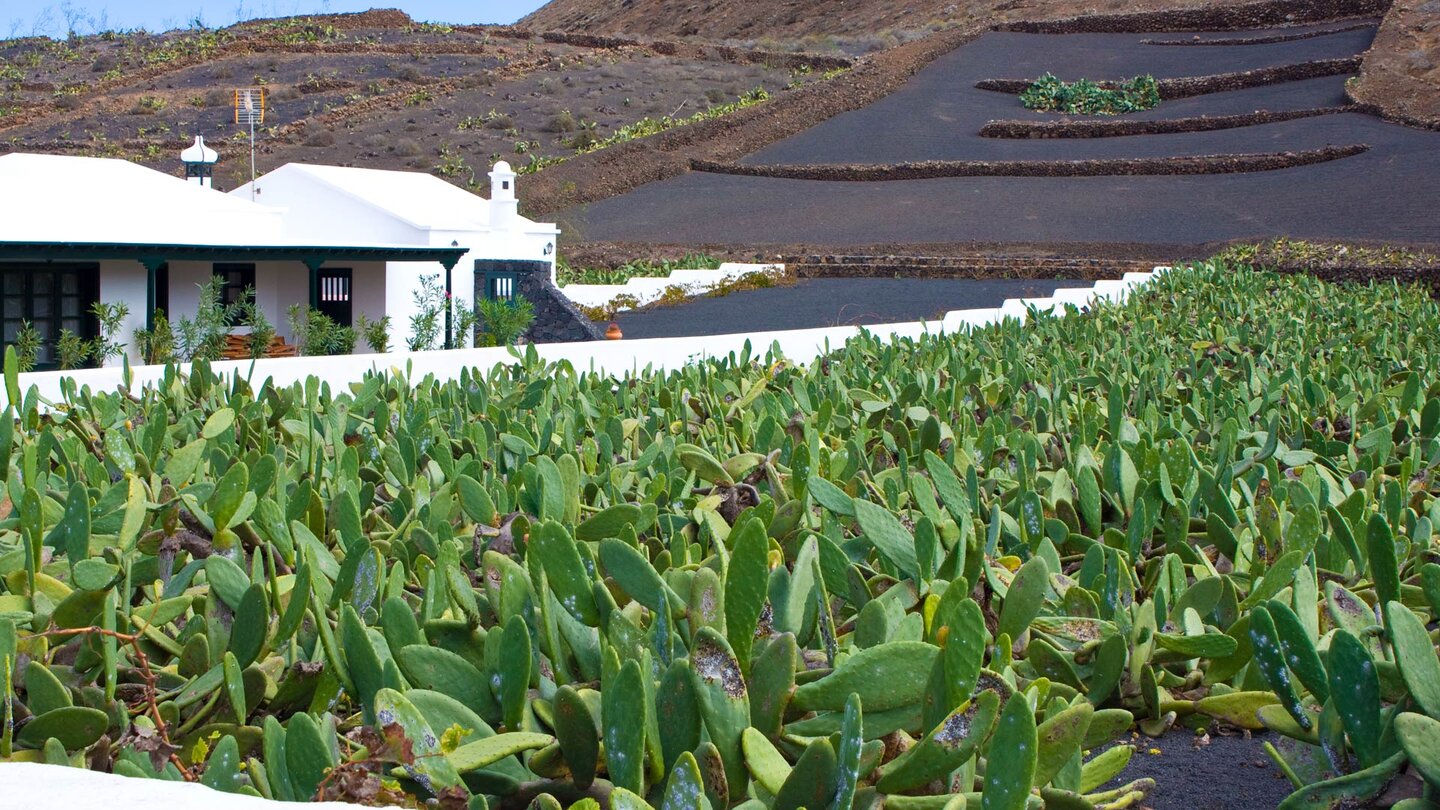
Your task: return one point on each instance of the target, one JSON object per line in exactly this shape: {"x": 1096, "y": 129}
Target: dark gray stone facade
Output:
{"x": 557, "y": 319}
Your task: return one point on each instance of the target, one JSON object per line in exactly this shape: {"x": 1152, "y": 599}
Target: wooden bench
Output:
{"x": 237, "y": 347}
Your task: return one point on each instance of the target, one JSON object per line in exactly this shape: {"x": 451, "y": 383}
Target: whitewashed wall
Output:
{"x": 125, "y": 282}
{"x": 646, "y": 290}
{"x": 616, "y": 358}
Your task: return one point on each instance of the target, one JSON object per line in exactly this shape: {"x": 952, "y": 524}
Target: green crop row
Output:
{"x": 933, "y": 573}
{"x": 1085, "y": 97}
{"x": 565, "y": 273}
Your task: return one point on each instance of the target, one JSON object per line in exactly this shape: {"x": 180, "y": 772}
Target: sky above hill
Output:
{"x": 56, "y": 18}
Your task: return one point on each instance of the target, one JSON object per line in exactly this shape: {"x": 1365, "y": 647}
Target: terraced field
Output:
{"x": 830, "y": 184}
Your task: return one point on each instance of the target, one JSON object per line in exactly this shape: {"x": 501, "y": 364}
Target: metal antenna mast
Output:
{"x": 250, "y": 109}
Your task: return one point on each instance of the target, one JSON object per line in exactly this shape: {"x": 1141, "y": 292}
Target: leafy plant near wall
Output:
{"x": 156, "y": 345}
{"x": 71, "y": 351}
{"x": 504, "y": 322}
{"x": 262, "y": 332}
{"x": 203, "y": 338}
{"x": 1085, "y": 97}
{"x": 27, "y": 346}
{"x": 932, "y": 573}
{"x": 427, "y": 322}
{"x": 110, "y": 318}
{"x": 317, "y": 334}
{"x": 376, "y": 332}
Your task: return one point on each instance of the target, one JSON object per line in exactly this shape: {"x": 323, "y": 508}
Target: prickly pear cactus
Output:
{"x": 930, "y": 574}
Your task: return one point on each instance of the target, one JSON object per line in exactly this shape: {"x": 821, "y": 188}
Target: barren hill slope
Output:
{"x": 792, "y": 20}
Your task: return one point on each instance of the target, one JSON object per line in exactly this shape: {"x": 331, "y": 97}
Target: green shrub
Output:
{"x": 376, "y": 332}
{"x": 1084, "y": 97}
{"x": 27, "y": 346}
{"x": 505, "y": 322}
{"x": 317, "y": 334}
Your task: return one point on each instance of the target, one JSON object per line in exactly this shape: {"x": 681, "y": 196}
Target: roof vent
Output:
{"x": 199, "y": 161}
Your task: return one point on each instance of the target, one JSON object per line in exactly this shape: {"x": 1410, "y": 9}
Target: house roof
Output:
{"x": 155, "y": 254}
{"x": 421, "y": 200}
{"x": 61, "y": 198}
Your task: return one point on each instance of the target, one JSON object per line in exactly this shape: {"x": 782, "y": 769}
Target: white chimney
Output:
{"x": 504, "y": 206}
{"x": 199, "y": 161}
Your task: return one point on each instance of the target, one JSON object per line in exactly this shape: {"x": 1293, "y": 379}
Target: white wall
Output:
{"x": 367, "y": 297}
{"x": 646, "y": 290}
{"x": 616, "y": 358}
{"x": 125, "y": 282}
{"x": 185, "y": 281}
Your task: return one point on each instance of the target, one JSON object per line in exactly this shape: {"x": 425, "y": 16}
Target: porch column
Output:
{"x": 152, "y": 266}
{"x": 449, "y": 337}
{"x": 313, "y": 265}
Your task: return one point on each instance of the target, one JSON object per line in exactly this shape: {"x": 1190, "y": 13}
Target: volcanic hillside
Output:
{"x": 376, "y": 89}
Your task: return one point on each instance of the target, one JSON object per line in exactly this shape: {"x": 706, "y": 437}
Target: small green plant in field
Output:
{"x": 645, "y": 127}
{"x": 1308, "y": 255}
{"x": 1085, "y": 97}
{"x": 149, "y": 105}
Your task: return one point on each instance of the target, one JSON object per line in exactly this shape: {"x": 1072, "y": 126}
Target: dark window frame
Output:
{"x": 20, "y": 280}
{"x": 347, "y": 289}
{"x": 239, "y": 277}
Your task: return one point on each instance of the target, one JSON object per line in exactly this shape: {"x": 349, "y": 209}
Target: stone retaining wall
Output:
{"x": 1165, "y": 126}
{"x": 931, "y": 169}
{"x": 1188, "y": 86}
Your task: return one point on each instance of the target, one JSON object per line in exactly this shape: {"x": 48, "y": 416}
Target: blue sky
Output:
{"x": 53, "y": 17}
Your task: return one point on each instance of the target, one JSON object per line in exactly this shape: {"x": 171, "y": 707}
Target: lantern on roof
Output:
{"x": 199, "y": 161}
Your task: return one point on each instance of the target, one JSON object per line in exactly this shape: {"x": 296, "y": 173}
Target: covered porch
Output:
{"x": 52, "y": 286}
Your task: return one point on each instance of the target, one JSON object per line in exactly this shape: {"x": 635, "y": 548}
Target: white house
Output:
{"x": 337, "y": 203}
{"x": 76, "y": 230}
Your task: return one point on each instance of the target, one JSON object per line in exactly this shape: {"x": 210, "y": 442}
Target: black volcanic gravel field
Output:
{"x": 815, "y": 303}
{"x": 1390, "y": 193}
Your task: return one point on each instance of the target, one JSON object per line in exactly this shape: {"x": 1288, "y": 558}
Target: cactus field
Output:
{"x": 936, "y": 574}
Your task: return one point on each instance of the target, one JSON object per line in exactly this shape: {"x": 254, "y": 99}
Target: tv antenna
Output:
{"x": 250, "y": 109}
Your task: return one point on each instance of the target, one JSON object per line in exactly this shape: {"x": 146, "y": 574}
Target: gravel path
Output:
{"x": 1228, "y": 773}
{"x": 813, "y": 303}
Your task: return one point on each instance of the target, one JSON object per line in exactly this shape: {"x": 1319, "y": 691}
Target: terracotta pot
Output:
{"x": 612, "y": 332}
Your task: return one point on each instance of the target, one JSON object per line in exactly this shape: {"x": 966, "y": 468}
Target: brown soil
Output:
{"x": 1401, "y": 72}
{"x": 373, "y": 87}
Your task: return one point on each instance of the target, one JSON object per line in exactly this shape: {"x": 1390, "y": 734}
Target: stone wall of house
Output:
{"x": 557, "y": 319}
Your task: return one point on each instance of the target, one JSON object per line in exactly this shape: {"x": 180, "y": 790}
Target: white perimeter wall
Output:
{"x": 616, "y": 358}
